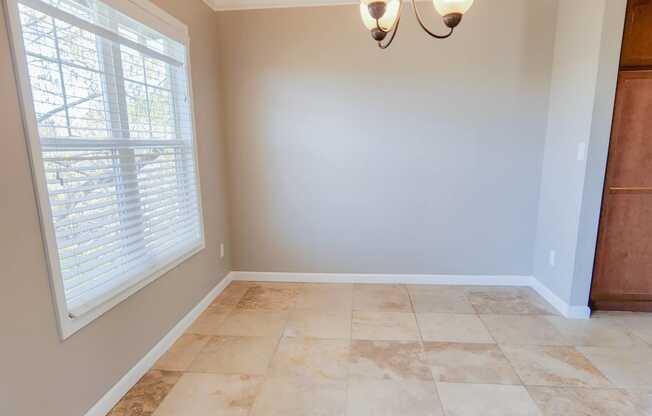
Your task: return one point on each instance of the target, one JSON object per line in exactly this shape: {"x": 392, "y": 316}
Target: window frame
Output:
{"x": 150, "y": 15}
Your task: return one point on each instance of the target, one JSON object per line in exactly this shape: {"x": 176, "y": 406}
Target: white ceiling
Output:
{"x": 218, "y": 5}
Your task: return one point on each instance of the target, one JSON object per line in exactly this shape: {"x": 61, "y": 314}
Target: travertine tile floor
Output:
{"x": 280, "y": 349}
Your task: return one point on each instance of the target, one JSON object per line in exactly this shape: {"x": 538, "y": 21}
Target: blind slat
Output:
{"x": 138, "y": 198}
{"x": 77, "y": 238}
{"x": 123, "y": 216}
{"x": 108, "y": 180}
{"x": 119, "y": 238}
{"x": 78, "y": 250}
{"x": 124, "y": 245}
{"x": 140, "y": 165}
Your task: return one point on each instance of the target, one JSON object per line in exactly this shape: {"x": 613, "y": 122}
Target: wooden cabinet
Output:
{"x": 623, "y": 271}
{"x": 637, "y": 39}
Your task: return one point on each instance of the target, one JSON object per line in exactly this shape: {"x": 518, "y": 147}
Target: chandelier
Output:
{"x": 382, "y": 17}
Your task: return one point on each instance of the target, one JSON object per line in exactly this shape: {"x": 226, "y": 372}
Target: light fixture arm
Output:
{"x": 423, "y": 26}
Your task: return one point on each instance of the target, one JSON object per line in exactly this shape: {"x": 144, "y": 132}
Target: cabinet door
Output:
{"x": 637, "y": 41}
{"x": 623, "y": 269}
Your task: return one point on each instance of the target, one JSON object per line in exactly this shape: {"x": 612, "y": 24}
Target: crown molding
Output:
{"x": 224, "y": 5}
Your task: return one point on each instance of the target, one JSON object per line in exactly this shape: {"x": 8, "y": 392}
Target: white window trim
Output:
{"x": 154, "y": 17}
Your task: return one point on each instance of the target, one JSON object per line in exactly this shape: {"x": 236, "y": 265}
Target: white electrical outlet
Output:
{"x": 552, "y": 258}
{"x": 581, "y": 151}
{"x": 222, "y": 250}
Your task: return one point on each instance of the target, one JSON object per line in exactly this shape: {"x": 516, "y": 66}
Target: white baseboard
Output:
{"x": 410, "y": 279}
{"x": 566, "y": 310}
{"x": 111, "y": 398}
{"x": 578, "y": 312}
{"x": 549, "y": 296}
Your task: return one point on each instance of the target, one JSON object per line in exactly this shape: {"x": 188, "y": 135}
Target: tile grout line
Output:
{"x": 475, "y": 309}
{"x": 511, "y": 365}
{"x": 576, "y": 348}
{"x": 271, "y": 359}
{"x": 349, "y": 361}
{"x": 264, "y": 376}
{"x": 586, "y": 357}
{"x": 260, "y": 385}
{"x": 434, "y": 382}
{"x": 184, "y": 371}
{"x": 414, "y": 313}
{"x": 208, "y": 341}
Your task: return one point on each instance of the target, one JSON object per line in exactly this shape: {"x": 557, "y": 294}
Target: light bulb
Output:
{"x": 446, "y": 7}
{"x": 388, "y": 19}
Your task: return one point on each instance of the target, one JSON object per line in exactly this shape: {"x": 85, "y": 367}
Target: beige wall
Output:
{"x": 40, "y": 374}
{"x": 424, "y": 158}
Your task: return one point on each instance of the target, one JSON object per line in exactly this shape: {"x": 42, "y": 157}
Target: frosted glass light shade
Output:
{"x": 445, "y": 7}
{"x": 387, "y": 21}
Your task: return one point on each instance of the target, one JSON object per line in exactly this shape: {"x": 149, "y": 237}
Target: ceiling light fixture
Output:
{"x": 382, "y": 17}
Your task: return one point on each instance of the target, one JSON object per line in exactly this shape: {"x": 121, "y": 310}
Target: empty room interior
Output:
{"x": 326, "y": 208}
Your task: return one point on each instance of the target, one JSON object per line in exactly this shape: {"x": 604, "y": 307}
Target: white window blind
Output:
{"x": 115, "y": 130}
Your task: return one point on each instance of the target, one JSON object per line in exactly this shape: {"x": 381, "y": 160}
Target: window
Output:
{"x": 108, "y": 113}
